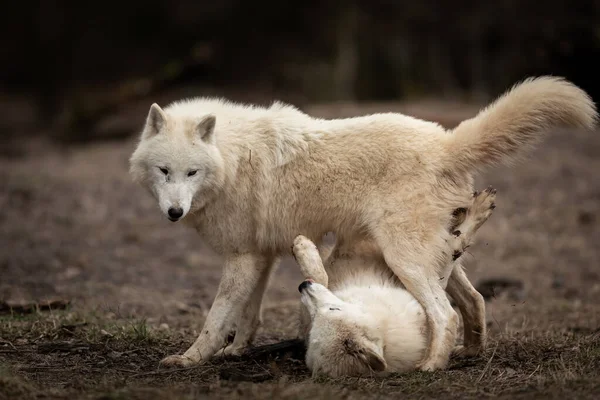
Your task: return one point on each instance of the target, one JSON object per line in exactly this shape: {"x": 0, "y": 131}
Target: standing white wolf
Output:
{"x": 251, "y": 179}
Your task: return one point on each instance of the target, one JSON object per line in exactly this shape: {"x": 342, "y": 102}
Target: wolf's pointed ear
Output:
{"x": 367, "y": 352}
{"x": 154, "y": 122}
{"x": 206, "y": 128}
{"x": 373, "y": 360}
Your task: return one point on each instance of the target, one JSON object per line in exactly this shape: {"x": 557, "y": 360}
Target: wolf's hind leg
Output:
{"x": 470, "y": 220}
{"x": 472, "y": 308}
{"x": 469, "y": 301}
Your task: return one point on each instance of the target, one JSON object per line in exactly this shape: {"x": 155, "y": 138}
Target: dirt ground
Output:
{"x": 74, "y": 229}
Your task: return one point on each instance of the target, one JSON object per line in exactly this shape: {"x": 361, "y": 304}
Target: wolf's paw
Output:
{"x": 233, "y": 351}
{"x": 461, "y": 351}
{"x": 177, "y": 361}
{"x": 431, "y": 365}
{"x": 483, "y": 204}
{"x": 303, "y": 245}
{"x": 307, "y": 255}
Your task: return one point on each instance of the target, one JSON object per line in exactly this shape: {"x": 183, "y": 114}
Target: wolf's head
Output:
{"x": 177, "y": 160}
{"x": 343, "y": 339}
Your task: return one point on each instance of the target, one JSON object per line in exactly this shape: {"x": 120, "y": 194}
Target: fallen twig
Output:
{"x": 3, "y": 341}
{"x": 487, "y": 366}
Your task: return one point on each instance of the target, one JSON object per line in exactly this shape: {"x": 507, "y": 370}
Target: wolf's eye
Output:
{"x": 164, "y": 170}
{"x": 334, "y": 309}
{"x": 192, "y": 173}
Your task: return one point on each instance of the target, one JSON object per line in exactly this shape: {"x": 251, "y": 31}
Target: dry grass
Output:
{"x": 73, "y": 227}
{"x": 67, "y": 354}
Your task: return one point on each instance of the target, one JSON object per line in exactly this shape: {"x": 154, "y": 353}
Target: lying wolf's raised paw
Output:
{"x": 177, "y": 360}
{"x": 485, "y": 199}
{"x": 466, "y": 221}
{"x": 483, "y": 205}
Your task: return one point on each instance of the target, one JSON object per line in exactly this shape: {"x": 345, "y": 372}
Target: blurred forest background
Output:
{"x": 78, "y": 71}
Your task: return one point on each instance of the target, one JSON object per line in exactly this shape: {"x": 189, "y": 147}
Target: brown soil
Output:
{"x": 75, "y": 230}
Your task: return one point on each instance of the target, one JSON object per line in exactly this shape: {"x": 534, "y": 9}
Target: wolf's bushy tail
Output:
{"x": 517, "y": 120}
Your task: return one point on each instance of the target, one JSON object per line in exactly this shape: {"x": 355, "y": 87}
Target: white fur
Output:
{"x": 357, "y": 318}
{"x": 369, "y": 323}
{"x": 266, "y": 175}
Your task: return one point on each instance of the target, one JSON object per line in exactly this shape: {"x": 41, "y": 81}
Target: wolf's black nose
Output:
{"x": 305, "y": 284}
{"x": 175, "y": 213}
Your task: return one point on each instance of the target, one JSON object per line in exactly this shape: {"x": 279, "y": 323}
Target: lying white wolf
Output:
{"x": 251, "y": 179}
{"x": 360, "y": 318}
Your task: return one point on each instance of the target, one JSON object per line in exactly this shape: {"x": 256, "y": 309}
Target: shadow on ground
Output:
{"x": 129, "y": 287}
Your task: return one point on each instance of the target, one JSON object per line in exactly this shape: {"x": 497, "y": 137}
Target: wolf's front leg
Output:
{"x": 250, "y": 319}
{"x": 311, "y": 266}
{"x": 308, "y": 257}
{"x": 242, "y": 274}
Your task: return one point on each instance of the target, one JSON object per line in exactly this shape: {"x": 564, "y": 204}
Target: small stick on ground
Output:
{"x": 487, "y": 366}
